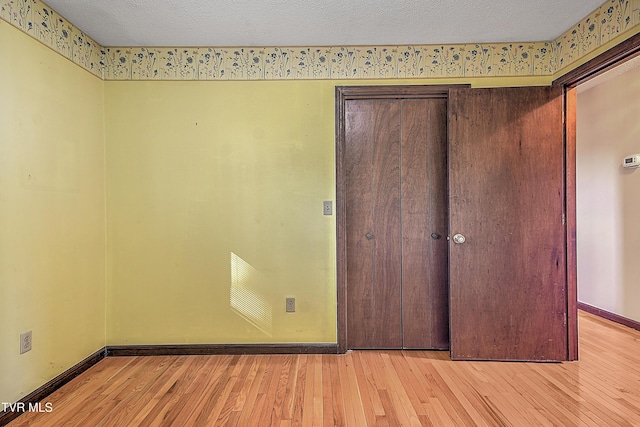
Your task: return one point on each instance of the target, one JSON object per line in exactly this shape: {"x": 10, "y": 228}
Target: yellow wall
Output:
{"x": 200, "y": 171}
{"x": 607, "y": 194}
{"x": 215, "y": 190}
{"x": 52, "y": 268}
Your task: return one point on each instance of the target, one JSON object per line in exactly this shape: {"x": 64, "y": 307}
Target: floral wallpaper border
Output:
{"x": 45, "y": 25}
{"x": 612, "y": 19}
{"x": 328, "y": 62}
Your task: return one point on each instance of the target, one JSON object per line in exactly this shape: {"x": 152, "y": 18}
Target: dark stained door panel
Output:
{"x": 506, "y": 197}
{"x": 396, "y": 223}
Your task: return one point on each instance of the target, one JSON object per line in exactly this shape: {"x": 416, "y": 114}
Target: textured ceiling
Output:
{"x": 320, "y": 22}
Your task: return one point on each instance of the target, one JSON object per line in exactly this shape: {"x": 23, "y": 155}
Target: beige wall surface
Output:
{"x": 52, "y": 226}
{"x": 214, "y": 210}
{"x": 608, "y": 195}
{"x": 215, "y": 194}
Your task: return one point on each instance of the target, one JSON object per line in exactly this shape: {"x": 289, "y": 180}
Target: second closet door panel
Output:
{"x": 424, "y": 224}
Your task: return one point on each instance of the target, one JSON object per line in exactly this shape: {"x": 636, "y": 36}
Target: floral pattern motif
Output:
{"x": 375, "y": 62}
{"x": 615, "y": 18}
{"x": 45, "y": 25}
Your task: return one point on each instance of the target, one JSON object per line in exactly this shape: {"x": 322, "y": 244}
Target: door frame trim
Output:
{"x": 607, "y": 60}
{"x": 343, "y": 94}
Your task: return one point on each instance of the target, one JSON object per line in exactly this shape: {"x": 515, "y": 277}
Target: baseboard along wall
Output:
{"x": 32, "y": 399}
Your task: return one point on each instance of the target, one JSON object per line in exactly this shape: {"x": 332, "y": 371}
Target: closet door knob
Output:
{"x": 369, "y": 236}
{"x": 459, "y": 239}
{"x": 435, "y": 236}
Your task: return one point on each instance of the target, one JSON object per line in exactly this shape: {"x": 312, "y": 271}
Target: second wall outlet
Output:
{"x": 290, "y": 305}
{"x": 25, "y": 342}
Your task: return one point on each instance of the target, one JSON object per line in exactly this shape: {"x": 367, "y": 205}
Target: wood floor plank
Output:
{"x": 288, "y": 403}
{"x": 361, "y": 388}
{"x": 181, "y": 395}
{"x": 218, "y": 396}
{"x": 512, "y": 398}
{"x": 269, "y": 416}
{"x": 307, "y": 407}
{"x": 455, "y": 413}
{"x": 203, "y": 405}
{"x": 372, "y": 403}
{"x": 252, "y": 386}
{"x": 229, "y": 405}
{"x": 317, "y": 396}
{"x": 476, "y": 409}
{"x": 298, "y": 392}
{"x": 430, "y": 407}
{"x": 71, "y": 400}
{"x": 337, "y": 389}
{"x": 285, "y": 372}
{"x": 352, "y": 396}
{"x": 137, "y": 387}
{"x": 205, "y": 380}
{"x": 328, "y": 419}
{"x": 157, "y": 400}
{"x": 402, "y": 404}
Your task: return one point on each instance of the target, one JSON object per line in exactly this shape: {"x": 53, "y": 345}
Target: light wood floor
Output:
{"x": 361, "y": 388}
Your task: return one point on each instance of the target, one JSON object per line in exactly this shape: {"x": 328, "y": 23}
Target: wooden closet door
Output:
{"x": 374, "y": 316}
{"x": 506, "y": 188}
{"x": 396, "y": 223}
{"x": 425, "y": 291}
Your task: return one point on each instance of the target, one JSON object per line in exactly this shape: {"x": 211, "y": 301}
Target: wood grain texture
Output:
{"x": 393, "y": 92}
{"x": 439, "y": 224}
{"x": 416, "y": 290}
{"x": 344, "y": 95}
{"x": 387, "y": 241}
{"x": 506, "y": 191}
{"x": 373, "y": 200}
{"x": 359, "y": 219}
{"x": 570, "y": 107}
{"x": 360, "y": 388}
{"x": 425, "y": 291}
{"x": 397, "y": 290}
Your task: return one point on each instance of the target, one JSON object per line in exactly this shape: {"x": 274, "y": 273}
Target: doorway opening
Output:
{"x": 607, "y": 111}
{"x": 602, "y": 63}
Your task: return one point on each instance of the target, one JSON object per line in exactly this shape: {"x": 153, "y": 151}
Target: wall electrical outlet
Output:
{"x": 290, "y": 305}
{"x": 25, "y": 342}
